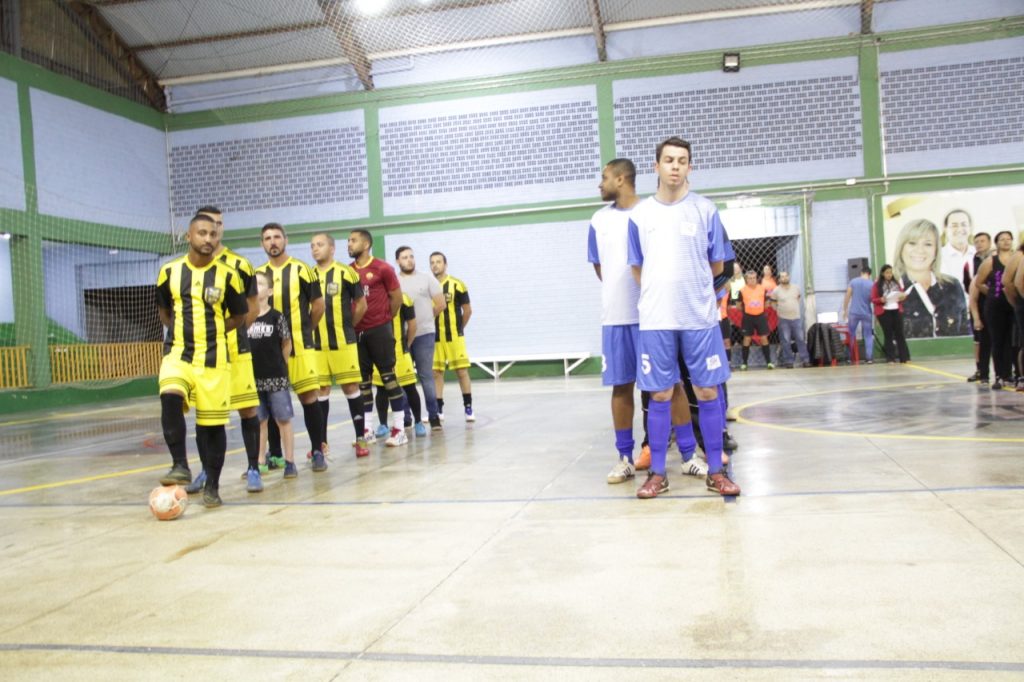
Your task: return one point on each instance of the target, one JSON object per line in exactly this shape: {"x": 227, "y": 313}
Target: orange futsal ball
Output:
{"x": 168, "y": 502}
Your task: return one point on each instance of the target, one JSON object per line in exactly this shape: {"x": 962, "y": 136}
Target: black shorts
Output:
{"x": 755, "y": 323}
{"x": 376, "y": 349}
{"x": 726, "y": 327}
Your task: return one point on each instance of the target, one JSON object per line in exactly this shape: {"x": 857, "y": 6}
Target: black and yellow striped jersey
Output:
{"x": 405, "y": 313}
{"x": 238, "y": 341}
{"x": 199, "y": 301}
{"x": 449, "y": 321}
{"x": 340, "y": 287}
{"x": 295, "y": 289}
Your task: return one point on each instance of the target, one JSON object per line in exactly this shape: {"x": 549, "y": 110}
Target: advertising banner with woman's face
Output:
{"x": 931, "y": 240}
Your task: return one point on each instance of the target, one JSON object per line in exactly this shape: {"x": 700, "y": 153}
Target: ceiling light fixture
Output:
{"x": 731, "y": 62}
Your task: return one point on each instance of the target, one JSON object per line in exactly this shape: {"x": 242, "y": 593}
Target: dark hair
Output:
{"x": 625, "y": 168}
{"x": 329, "y": 238}
{"x": 1001, "y": 232}
{"x": 866, "y": 270}
{"x": 673, "y": 142}
{"x": 268, "y": 278}
{"x": 880, "y": 282}
{"x": 400, "y": 249}
{"x": 982, "y": 234}
{"x": 209, "y": 209}
{"x": 443, "y": 257}
{"x": 945, "y": 221}
{"x": 365, "y": 234}
{"x": 200, "y": 218}
{"x": 273, "y": 226}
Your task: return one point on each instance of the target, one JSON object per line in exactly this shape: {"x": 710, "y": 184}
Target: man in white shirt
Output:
{"x": 957, "y": 250}
{"x": 428, "y": 301}
{"x": 676, "y": 248}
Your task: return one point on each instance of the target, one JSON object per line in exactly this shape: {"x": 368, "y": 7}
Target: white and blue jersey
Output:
{"x": 675, "y": 244}
{"x": 607, "y": 246}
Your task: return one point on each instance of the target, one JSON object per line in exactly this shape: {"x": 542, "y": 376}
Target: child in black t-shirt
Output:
{"x": 271, "y": 344}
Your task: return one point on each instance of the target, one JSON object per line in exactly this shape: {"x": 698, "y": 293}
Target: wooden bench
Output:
{"x": 496, "y": 365}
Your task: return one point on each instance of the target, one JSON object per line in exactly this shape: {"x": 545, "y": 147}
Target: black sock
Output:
{"x": 467, "y": 400}
{"x": 440, "y": 405}
{"x": 645, "y": 402}
{"x": 273, "y": 438}
{"x": 325, "y": 409}
{"x": 381, "y": 401}
{"x": 746, "y": 354}
{"x": 172, "y": 419}
{"x": 212, "y": 440}
{"x": 355, "y": 409}
{"x": 413, "y": 399}
{"x": 313, "y": 417}
{"x": 766, "y": 351}
{"x": 251, "y": 438}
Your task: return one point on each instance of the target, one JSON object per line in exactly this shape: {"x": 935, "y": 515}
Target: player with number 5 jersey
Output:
{"x": 676, "y": 248}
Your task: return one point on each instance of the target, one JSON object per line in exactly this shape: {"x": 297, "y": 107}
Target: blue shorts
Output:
{"x": 618, "y": 354}
{"x": 662, "y": 351}
{"x": 277, "y": 404}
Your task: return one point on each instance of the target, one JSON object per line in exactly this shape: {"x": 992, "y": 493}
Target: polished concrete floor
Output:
{"x": 880, "y": 535}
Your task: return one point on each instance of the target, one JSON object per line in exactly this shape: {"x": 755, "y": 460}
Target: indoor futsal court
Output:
{"x": 217, "y": 214}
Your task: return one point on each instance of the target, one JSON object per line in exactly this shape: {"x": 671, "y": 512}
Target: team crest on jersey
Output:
{"x": 447, "y": 297}
{"x": 333, "y": 288}
{"x": 369, "y": 275}
{"x": 212, "y": 294}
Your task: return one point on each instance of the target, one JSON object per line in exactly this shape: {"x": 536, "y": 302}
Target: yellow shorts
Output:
{"x": 451, "y": 354}
{"x": 243, "y": 383}
{"x": 303, "y": 371}
{"x": 404, "y": 371}
{"x": 208, "y": 388}
{"x": 341, "y": 366}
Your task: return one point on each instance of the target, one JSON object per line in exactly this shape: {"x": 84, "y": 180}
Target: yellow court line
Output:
{"x": 119, "y": 474}
{"x": 889, "y": 436}
{"x": 950, "y": 375}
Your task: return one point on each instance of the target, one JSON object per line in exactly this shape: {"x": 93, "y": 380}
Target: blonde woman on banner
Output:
{"x": 935, "y": 304}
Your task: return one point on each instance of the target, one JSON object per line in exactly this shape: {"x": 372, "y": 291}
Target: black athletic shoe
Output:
{"x": 435, "y": 424}
{"x": 974, "y": 377}
{"x": 728, "y": 442}
{"x": 997, "y": 385}
{"x": 211, "y": 498}
{"x": 178, "y": 475}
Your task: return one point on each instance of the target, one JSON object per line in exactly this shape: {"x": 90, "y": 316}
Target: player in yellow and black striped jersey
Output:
{"x": 243, "y": 379}
{"x": 449, "y": 340}
{"x": 405, "y": 331}
{"x": 335, "y": 336}
{"x": 297, "y": 296}
{"x": 200, "y": 301}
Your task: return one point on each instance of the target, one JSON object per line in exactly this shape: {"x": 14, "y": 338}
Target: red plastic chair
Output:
{"x": 849, "y": 341}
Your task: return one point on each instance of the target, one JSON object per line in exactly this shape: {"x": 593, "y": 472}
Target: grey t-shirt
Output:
{"x": 787, "y": 299}
{"x": 421, "y": 288}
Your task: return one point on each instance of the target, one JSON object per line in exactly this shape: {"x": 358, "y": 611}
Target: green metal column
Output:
{"x": 374, "y": 174}
{"x": 606, "y": 118}
{"x": 27, "y": 260}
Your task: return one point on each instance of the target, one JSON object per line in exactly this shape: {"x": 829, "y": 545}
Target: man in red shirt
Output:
{"x": 752, "y": 298}
{"x": 375, "y": 335}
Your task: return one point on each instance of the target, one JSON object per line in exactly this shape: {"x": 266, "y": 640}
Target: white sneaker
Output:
{"x": 470, "y": 417}
{"x": 622, "y": 471}
{"x": 369, "y": 436}
{"x": 397, "y": 438}
{"x": 695, "y": 467}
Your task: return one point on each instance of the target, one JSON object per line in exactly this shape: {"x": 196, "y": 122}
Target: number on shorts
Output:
{"x": 645, "y": 363}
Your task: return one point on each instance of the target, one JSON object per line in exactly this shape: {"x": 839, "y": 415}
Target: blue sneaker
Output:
{"x": 382, "y": 431}
{"x": 290, "y": 471}
{"x": 319, "y": 462}
{"x": 197, "y": 485}
{"x": 420, "y": 430}
{"x": 253, "y": 482}
{"x": 470, "y": 417}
